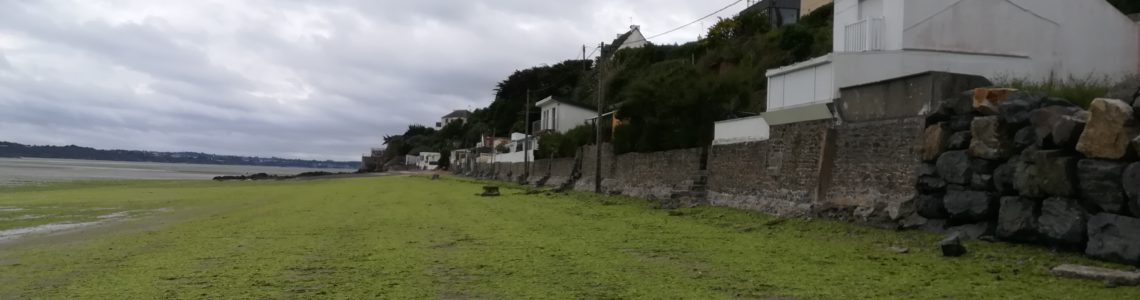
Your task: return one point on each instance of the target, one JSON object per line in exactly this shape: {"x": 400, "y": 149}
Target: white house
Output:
{"x": 518, "y": 150}
{"x": 631, "y": 39}
{"x": 455, "y": 116}
{"x": 562, "y": 116}
{"x": 1039, "y": 40}
{"x": 428, "y": 160}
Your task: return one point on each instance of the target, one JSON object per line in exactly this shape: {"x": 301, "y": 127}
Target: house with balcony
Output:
{"x": 877, "y": 40}
{"x": 561, "y": 116}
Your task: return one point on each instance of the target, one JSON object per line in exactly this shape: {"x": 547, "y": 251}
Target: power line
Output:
{"x": 595, "y": 51}
{"x": 691, "y": 23}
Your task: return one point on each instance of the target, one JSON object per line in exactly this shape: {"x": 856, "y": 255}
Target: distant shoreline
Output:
{"x": 21, "y": 171}
{"x": 10, "y": 150}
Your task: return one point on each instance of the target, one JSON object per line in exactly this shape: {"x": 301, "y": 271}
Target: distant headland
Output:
{"x": 9, "y": 149}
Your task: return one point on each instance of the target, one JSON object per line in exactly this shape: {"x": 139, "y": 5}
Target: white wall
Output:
{"x": 1060, "y": 38}
{"x": 428, "y": 160}
{"x": 1063, "y": 38}
{"x": 852, "y": 69}
{"x": 565, "y": 117}
{"x": 514, "y": 157}
{"x": 805, "y": 83}
{"x": 742, "y": 130}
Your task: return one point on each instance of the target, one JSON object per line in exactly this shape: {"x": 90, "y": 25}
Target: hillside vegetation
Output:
{"x": 668, "y": 96}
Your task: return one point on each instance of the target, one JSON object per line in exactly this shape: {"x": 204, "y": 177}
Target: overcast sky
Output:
{"x": 310, "y": 79}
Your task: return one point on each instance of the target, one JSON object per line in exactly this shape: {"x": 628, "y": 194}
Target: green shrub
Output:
{"x": 1080, "y": 91}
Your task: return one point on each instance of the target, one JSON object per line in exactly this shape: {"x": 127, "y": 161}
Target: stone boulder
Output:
{"x": 952, "y": 246}
{"x": 1025, "y": 180}
{"x": 1100, "y": 184}
{"x": 1024, "y": 137}
{"x": 982, "y": 182}
{"x": 1131, "y": 183}
{"x": 1004, "y": 177}
{"x": 1068, "y": 129}
{"x": 1135, "y": 141}
{"x": 927, "y": 169}
{"x": 931, "y": 185}
{"x": 930, "y": 206}
{"x": 1056, "y": 173}
{"x": 987, "y": 100}
{"x": 961, "y": 105}
{"x": 1062, "y": 222}
{"x": 934, "y": 142}
{"x": 1108, "y": 133}
{"x": 960, "y": 123}
{"x": 970, "y": 206}
{"x": 1016, "y": 219}
{"x": 954, "y": 167}
{"x": 1114, "y": 238}
{"x": 900, "y": 210}
{"x": 991, "y": 139}
{"x": 1017, "y": 107}
{"x": 959, "y": 141}
{"x": 1045, "y": 119}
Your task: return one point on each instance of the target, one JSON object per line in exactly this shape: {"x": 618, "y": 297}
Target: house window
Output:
{"x": 553, "y": 118}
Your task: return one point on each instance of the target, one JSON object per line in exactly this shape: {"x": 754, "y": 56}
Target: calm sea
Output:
{"x": 18, "y": 171}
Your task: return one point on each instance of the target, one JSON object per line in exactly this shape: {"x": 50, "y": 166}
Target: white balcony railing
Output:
{"x": 865, "y": 35}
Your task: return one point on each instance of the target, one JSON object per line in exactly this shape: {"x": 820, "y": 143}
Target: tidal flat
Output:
{"x": 407, "y": 237}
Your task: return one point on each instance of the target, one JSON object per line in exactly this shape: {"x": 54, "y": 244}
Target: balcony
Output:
{"x": 864, "y": 35}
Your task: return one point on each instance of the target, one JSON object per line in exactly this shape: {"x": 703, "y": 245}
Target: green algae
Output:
{"x": 408, "y": 237}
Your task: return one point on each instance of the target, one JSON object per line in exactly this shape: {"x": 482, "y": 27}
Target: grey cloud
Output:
{"x": 322, "y": 79}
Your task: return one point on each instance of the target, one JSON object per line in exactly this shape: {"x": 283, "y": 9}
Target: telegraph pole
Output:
{"x": 598, "y": 125}
{"x": 526, "y": 140}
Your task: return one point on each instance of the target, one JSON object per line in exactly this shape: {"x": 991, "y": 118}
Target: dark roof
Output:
{"x": 621, "y": 39}
{"x": 585, "y": 106}
{"x": 462, "y": 113}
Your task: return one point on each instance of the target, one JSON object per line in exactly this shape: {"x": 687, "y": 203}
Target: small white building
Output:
{"x": 411, "y": 160}
{"x": 631, "y": 39}
{"x": 428, "y": 160}
{"x": 518, "y": 150}
{"x": 455, "y": 116}
{"x": 1037, "y": 40}
{"x": 560, "y": 116}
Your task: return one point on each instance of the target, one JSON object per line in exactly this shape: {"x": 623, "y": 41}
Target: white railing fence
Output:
{"x": 864, "y": 35}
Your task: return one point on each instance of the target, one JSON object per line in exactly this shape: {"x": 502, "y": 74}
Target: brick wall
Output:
{"x": 654, "y": 175}
{"x": 777, "y": 176}
{"x": 874, "y": 162}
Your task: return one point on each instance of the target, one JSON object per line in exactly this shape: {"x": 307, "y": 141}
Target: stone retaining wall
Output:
{"x": 556, "y": 171}
{"x": 873, "y": 163}
{"x": 588, "y": 154}
{"x": 779, "y": 176}
{"x": 654, "y": 175}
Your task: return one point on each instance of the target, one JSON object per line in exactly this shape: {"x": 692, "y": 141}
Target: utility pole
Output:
{"x": 526, "y": 139}
{"x": 598, "y": 125}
